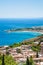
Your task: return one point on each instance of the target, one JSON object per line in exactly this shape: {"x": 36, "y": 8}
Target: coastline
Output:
{"x": 25, "y": 31}
{"x": 33, "y": 29}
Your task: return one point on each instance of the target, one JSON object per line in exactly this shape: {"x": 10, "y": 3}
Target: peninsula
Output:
{"x": 34, "y": 29}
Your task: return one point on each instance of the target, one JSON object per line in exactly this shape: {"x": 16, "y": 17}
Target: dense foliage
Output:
{"x": 15, "y": 45}
{"x": 36, "y": 48}
{"x": 8, "y": 60}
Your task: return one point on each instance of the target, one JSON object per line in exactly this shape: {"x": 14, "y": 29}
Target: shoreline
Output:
{"x": 33, "y": 29}
{"x": 25, "y": 31}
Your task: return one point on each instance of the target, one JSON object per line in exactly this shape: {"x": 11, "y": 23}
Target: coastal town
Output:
{"x": 20, "y": 53}
{"x": 21, "y": 32}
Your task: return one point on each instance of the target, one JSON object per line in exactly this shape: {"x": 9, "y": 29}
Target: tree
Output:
{"x": 9, "y": 60}
{"x": 27, "y": 61}
{"x": 31, "y": 61}
{"x": 36, "y": 49}
{"x": 37, "y": 55}
{"x": 3, "y": 60}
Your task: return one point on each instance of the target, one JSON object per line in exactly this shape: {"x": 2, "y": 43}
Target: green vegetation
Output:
{"x": 15, "y": 45}
{"x": 7, "y": 60}
{"x": 0, "y": 59}
{"x": 27, "y": 61}
{"x": 31, "y": 61}
{"x": 27, "y": 43}
{"x": 19, "y": 44}
{"x": 36, "y": 49}
{"x": 3, "y": 63}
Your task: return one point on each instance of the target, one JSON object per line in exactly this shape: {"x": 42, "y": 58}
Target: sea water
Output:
{"x": 15, "y": 37}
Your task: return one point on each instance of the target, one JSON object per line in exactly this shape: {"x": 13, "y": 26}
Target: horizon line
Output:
{"x": 24, "y": 18}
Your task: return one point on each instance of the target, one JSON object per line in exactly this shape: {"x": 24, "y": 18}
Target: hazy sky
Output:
{"x": 21, "y": 8}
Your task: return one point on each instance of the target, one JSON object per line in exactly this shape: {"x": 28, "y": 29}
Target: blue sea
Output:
{"x": 16, "y": 37}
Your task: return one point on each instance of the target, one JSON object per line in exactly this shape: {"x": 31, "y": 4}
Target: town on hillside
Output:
{"x": 27, "y": 49}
